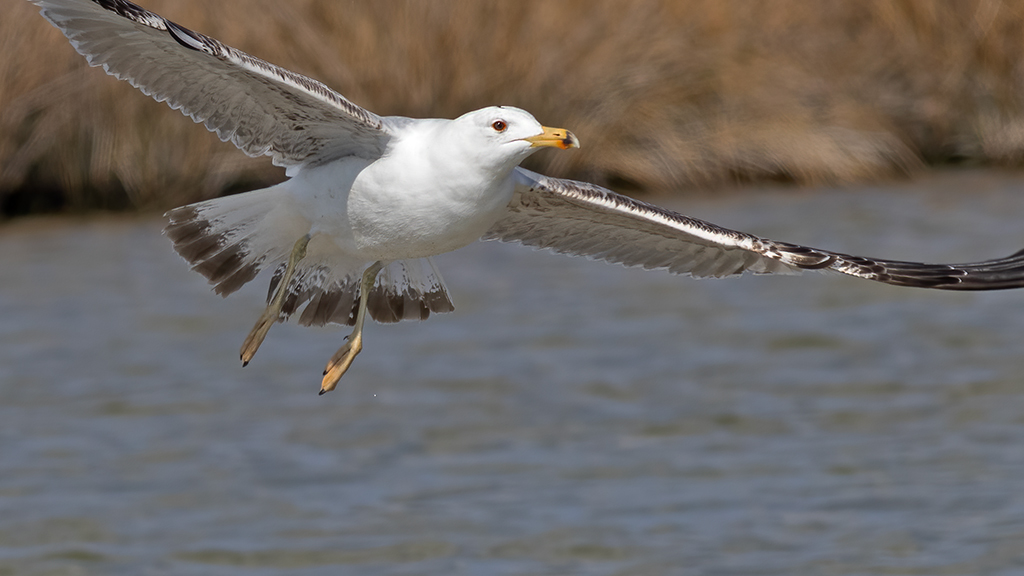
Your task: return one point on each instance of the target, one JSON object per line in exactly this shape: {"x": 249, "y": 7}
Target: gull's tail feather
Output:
{"x": 404, "y": 290}
{"x": 229, "y": 240}
{"x": 409, "y": 290}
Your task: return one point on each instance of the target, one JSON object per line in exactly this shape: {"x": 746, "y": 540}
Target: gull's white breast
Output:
{"x": 421, "y": 198}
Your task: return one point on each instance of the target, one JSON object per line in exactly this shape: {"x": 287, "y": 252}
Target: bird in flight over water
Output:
{"x": 370, "y": 199}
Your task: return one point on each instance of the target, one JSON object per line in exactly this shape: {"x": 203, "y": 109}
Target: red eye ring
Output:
{"x": 499, "y": 125}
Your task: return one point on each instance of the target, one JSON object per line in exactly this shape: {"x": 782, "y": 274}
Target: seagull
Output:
{"x": 370, "y": 199}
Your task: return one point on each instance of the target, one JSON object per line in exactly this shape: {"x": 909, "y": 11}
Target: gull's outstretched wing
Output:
{"x": 259, "y": 107}
{"x": 586, "y": 220}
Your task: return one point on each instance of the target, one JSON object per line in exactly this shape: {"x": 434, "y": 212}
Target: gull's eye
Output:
{"x": 499, "y": 125}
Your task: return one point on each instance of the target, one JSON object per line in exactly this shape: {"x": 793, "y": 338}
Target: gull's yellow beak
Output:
{"x": 557, "y": 137}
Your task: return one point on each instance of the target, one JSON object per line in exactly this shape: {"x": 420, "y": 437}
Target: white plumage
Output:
{"x": 370, "y": 199}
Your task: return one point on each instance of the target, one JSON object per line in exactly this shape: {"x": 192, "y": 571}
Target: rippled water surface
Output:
{"x": 570, "y": 417}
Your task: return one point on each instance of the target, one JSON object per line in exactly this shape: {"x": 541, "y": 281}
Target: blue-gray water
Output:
{"x": 570, "y": 417}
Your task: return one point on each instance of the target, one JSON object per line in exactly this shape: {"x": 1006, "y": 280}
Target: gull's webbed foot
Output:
{"x": 256, "y": 336}
{"x": 342, "y": 359}
{"x": 339, "y": 363}
{"x": 270, "y": 314}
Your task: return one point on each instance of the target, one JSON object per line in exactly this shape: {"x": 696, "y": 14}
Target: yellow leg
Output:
{"x": 273, "y": 311}
{"x": 342, "y": 359}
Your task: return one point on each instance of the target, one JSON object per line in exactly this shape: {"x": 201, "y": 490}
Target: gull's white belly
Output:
{"x": 379, "y": 212}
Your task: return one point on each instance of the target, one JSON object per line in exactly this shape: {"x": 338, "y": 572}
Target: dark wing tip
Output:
{"x": 997, "y": 274}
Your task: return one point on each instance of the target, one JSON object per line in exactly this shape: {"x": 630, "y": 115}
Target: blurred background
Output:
{"x": 570, "y": 417}
{"x": 666, "y": 96}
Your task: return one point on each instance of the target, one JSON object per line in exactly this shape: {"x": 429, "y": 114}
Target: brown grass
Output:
{"x": 665, "y": 96}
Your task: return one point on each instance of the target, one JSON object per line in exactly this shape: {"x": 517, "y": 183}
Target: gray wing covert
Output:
{"x": 584, "y": 219}
{"x": 259, "y": 107}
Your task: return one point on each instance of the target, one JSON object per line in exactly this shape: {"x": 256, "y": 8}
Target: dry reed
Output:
{"x": 665, "y": 96}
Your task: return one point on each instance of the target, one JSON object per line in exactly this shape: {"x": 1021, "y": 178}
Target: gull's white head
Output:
{"x": 503, "y": 136}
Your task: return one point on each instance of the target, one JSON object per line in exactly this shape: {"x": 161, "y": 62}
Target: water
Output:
{"x": 570, "y": 417}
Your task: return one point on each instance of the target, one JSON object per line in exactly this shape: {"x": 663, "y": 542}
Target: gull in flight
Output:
{"x": 370, "y": 199}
